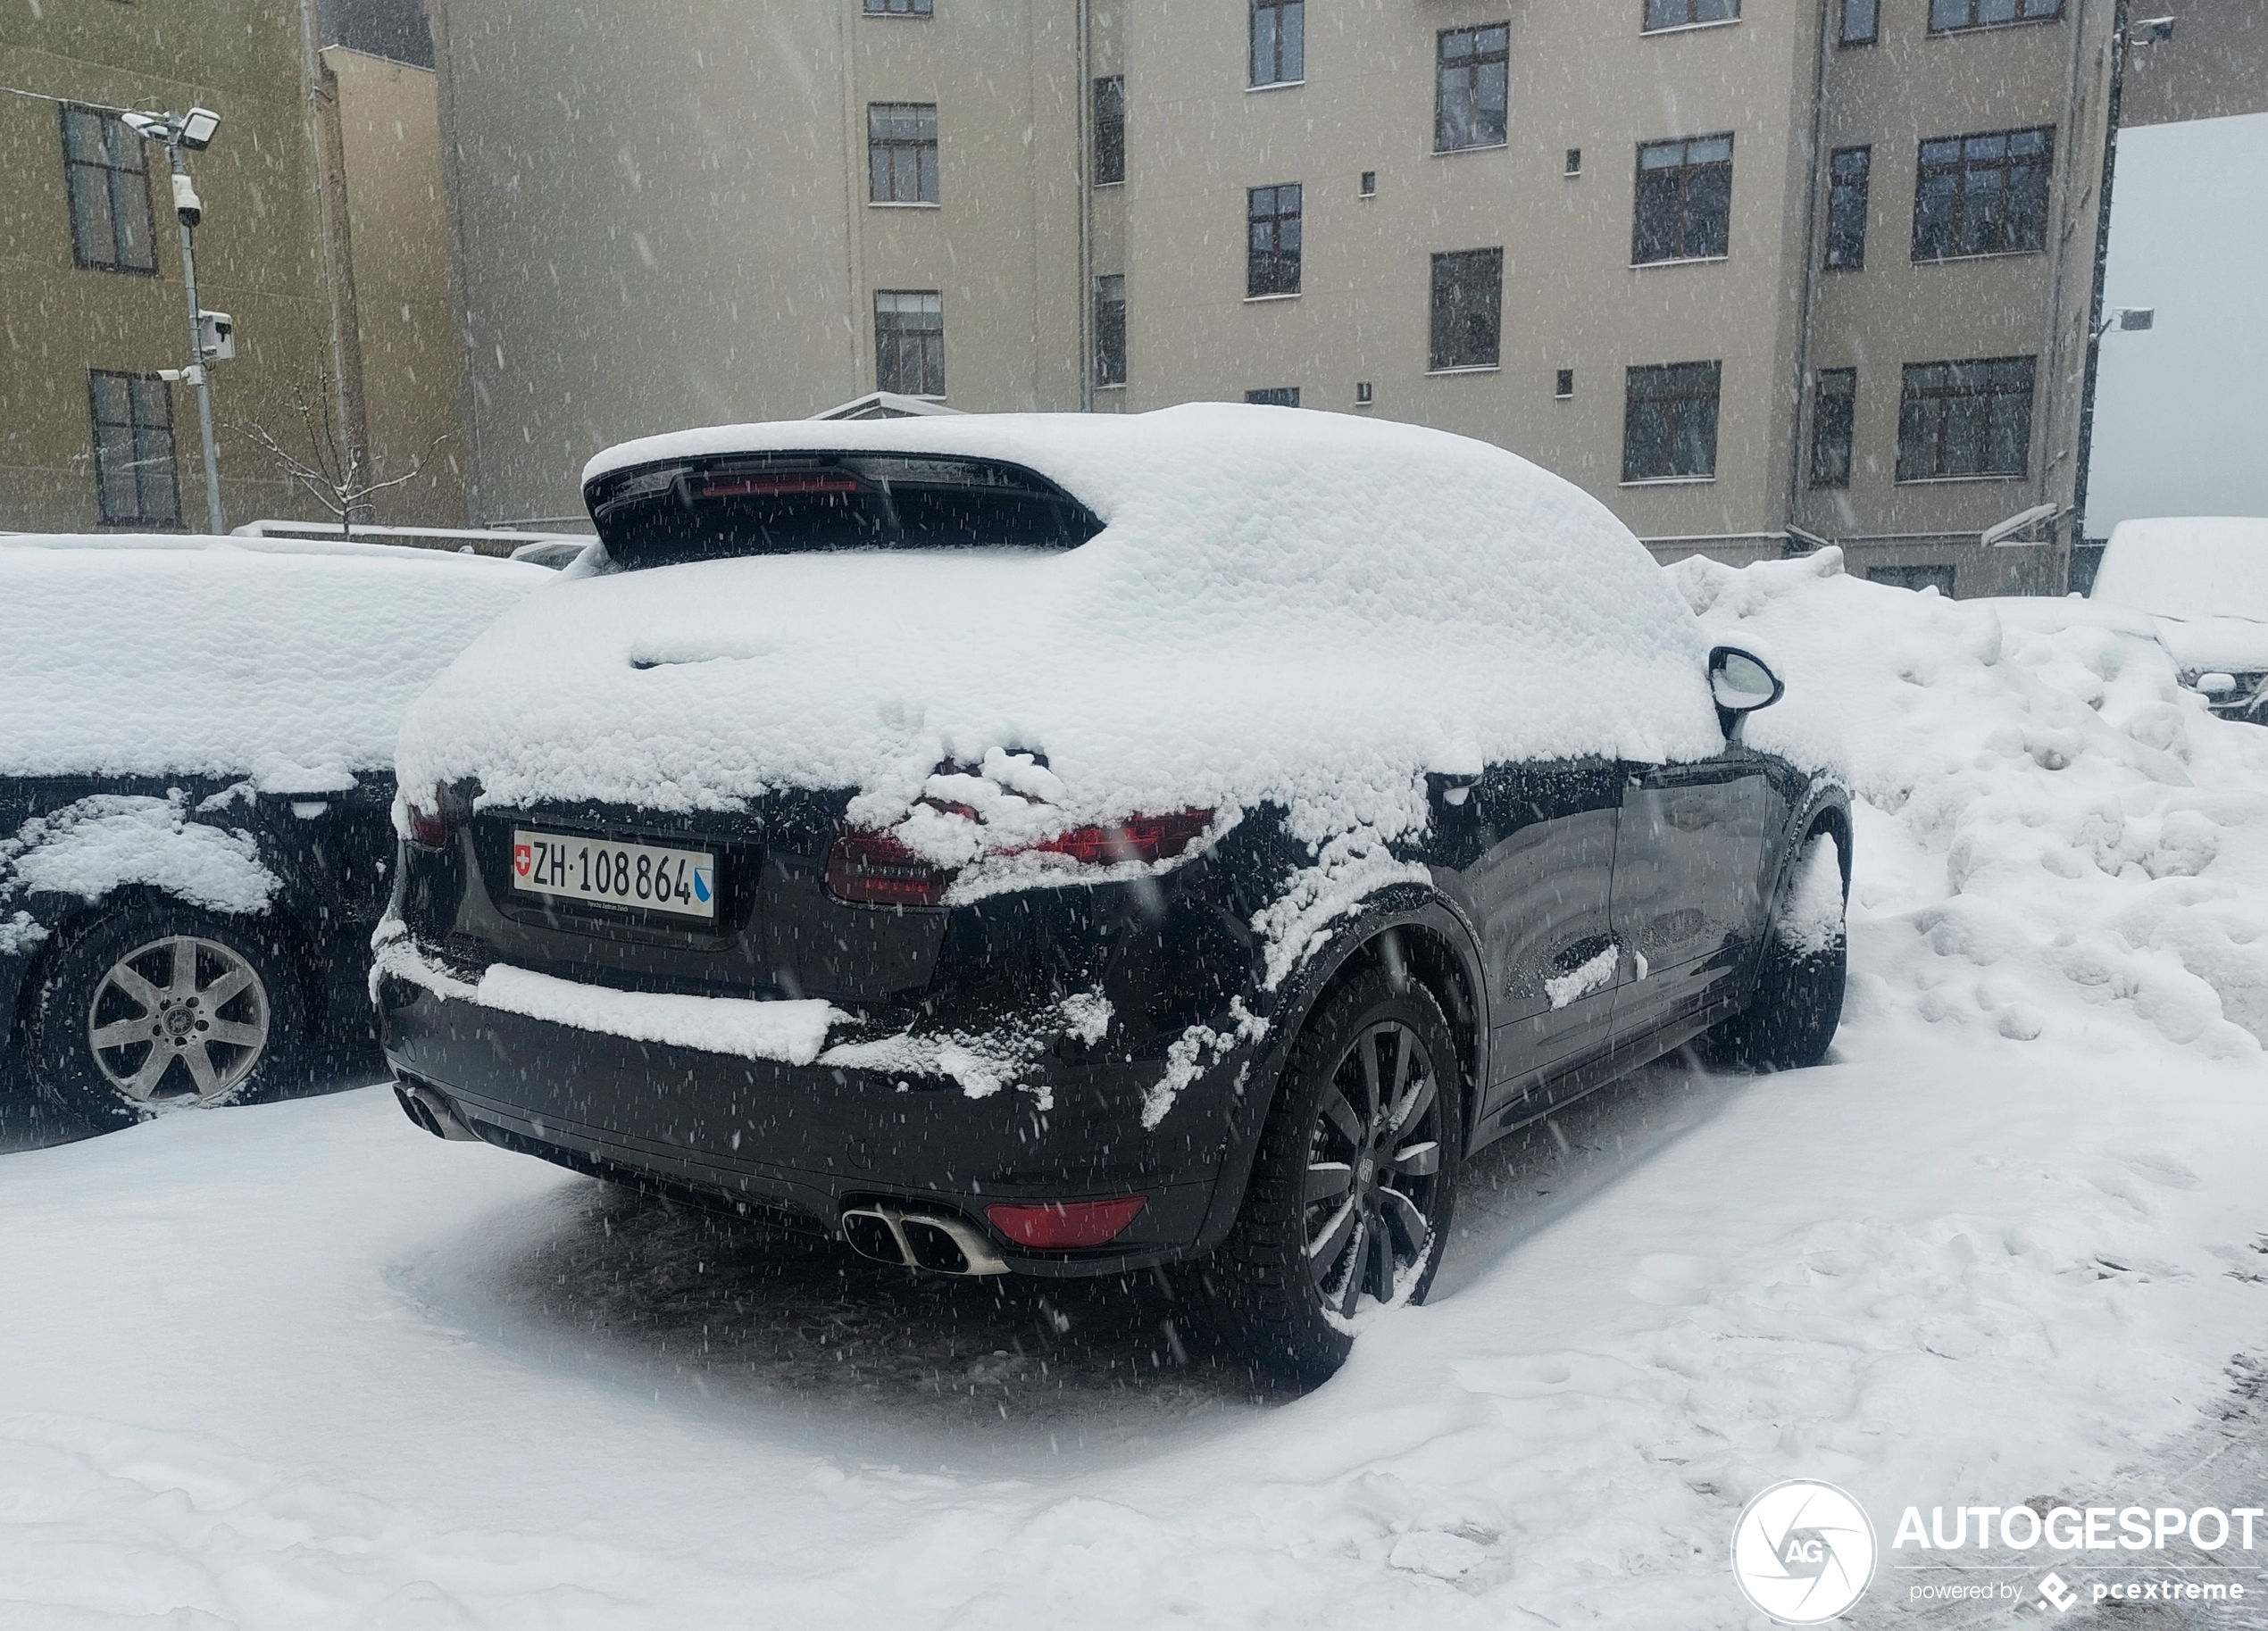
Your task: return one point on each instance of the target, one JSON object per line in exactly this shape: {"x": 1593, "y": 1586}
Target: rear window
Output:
{"x": 797, "y": 504}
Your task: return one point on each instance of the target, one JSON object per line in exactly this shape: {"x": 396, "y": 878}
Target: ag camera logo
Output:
{"x": 1803, "y": 1552}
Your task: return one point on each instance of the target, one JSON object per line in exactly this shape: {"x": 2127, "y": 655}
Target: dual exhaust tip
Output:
{"x": 920, "y": 1240}
{"x": 433, "y": 1111}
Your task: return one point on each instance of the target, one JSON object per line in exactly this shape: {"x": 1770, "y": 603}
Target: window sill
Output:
{"x": 1957, "y": 481}
{"x": 1451, "y": 153}
{"x": 1670, "y": 481}
{"x": 900, "y": 203}
{"x": 1262, "y": 300}
{"x": 1274, "y": 85}
{"x": 1990, "y": 255}
{"x": 1105, "y": 187}
{"x": 1469, "y": 368}
{"x": 1843, "y": 266}
{"x": 1683, "y": 260}
{"x": 1109, "y": 385}
{"x": 1692, "y": 28}
{"x": 1994, "y": 28}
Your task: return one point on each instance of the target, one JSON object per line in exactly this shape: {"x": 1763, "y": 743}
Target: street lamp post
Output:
{"x": 193, "y": 132}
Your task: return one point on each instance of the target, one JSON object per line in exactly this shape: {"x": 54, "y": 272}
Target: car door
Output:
{"x": 1542, "y": 886}
{"x": 1688, "y": 886}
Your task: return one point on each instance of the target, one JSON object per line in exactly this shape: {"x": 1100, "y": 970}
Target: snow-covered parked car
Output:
{"x": 196, "y": 744}
{"x": 1062, "y": 844}
{"x": 2203, "y": 580}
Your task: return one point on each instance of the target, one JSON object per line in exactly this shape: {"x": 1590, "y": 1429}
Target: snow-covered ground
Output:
{"x": 295, "y": 1365}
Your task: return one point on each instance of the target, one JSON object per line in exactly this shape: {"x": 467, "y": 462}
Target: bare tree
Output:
{"x": 341, "y": 476}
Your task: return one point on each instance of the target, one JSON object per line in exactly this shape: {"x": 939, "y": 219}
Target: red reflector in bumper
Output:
{"x": 1065, "y": 1226}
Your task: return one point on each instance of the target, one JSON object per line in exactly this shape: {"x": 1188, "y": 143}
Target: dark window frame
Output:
{"x": 1274, "y": 396}
{"x": 1834, "y": 425}
{"x": 118, "y": 175}
{"x": 1702, "y": 232}
{"x": 1933, "y": 398}
{"x": 1688, "y": 396}
{"x": 1465, "y": 337}
{"x": 1476, "y": 54}
{"x": 1849, "y": 197}
{"x": 898, "y": 8}
{"x": 894, "y": 155}
{"x": 1858, "y": 22}
{"x": 153, "y": 466}
{"x": 1110, "y": 129}
{"x": 2019, "y": 195}
{"x": 2026, "y": 13}
{"x": 1657, "y": 17}
{"x": 1110, "y": 329}
{"x": 1272, "y": 269}
{"x": 1286, "y": 63}
{"x": 896, "y": 341}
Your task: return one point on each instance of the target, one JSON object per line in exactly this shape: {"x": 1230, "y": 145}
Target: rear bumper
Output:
{"x": 809, "y": 1140}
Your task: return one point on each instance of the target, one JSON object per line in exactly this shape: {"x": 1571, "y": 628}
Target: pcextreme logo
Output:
{"x": 1803, "y": 1552}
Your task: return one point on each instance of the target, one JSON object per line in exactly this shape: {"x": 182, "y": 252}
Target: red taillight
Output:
{"x": 870, "y": 868}
{"x": 776, "y": 487}
{"x": 1139, "y": 838}
{"x": 431, "y": 825}
{"x": 1065, "y": 1226}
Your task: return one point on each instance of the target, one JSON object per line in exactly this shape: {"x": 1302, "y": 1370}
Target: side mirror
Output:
{"x": 1741, "y": 681}
{"x": 2216, "y": 685}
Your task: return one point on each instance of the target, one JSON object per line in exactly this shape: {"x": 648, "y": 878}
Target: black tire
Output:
{"x": 228, "y": 1038}
{"x": 1287, "y": 1309}
{"x": 1791, "y": 1018}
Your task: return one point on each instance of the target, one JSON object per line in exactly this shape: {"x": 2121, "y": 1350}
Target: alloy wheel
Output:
{"x": 1373, "y": 1165}
{"x": 180, "y": 1021}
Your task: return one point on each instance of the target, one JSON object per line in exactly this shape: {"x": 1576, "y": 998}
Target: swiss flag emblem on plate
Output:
{"x": 522, "y": 856}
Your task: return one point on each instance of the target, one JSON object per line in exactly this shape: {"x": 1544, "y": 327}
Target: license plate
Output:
{"x": 645, "y": 876}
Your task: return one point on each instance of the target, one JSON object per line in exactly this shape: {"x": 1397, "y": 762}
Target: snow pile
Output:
{"x": 288, "y": 660}
{"x": 2046, "y": 814}
{"x": 94, "y": 846}
{"x": 1290, "y": 607}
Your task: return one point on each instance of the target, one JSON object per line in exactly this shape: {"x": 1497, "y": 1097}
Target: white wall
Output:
{"x": 2181, "y": 415}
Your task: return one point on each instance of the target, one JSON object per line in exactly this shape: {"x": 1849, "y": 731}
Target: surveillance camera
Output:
{"x": 186, "y": 204}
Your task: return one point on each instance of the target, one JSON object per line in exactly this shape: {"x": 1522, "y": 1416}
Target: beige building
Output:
{"x": 1756, "y": 272}
{"x": 89, "y": 255}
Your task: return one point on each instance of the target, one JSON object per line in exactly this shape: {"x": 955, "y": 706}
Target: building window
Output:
{"x": 1914, "y": 577}
{"x": 1575, "y": 162}
{"x": 1834, "y": 403}
{"x": 108, "y": 180}
{"x": 1848, "y": 170}
{"x": 1279, "y": 42}
{"x": 1965, "y": 418}
{"x": 1670, "y": 423}
{"x": 1687, "y": 13}
{"x": 135, "y": 482}
{"x": 1364, "y": 394}
{"x": 1272, "y": 253}
{"x": 1368, "y": 187}
{"x": 1471, "y": 84}
{"x": 909, "y": 342}
{"x": 1684, "y": 200}
{"x": 1110, "y": 131}
{"x": 902, "y": 152}
{"x": 1563, "y": 387}
{"x": 1947, "y": 15}
{"x": 1468, "y": 310}
{"x": 1982, "y": 195}
{"x": 898, "y": 8}
{"x": 1110, "y": 329}
{"x": 1274, "y": 396}
{"x": 1862, "y": 22}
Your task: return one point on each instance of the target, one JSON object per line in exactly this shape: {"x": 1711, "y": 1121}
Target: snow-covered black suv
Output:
{"x": 196, "y": 738}
{"x": 1064, "y": 844}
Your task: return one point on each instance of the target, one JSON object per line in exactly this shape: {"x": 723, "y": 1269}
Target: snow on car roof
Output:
{"x": 1283, "y": 605}
{"x": 2188, "y": 566}
{"x": 288, "y": 660}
